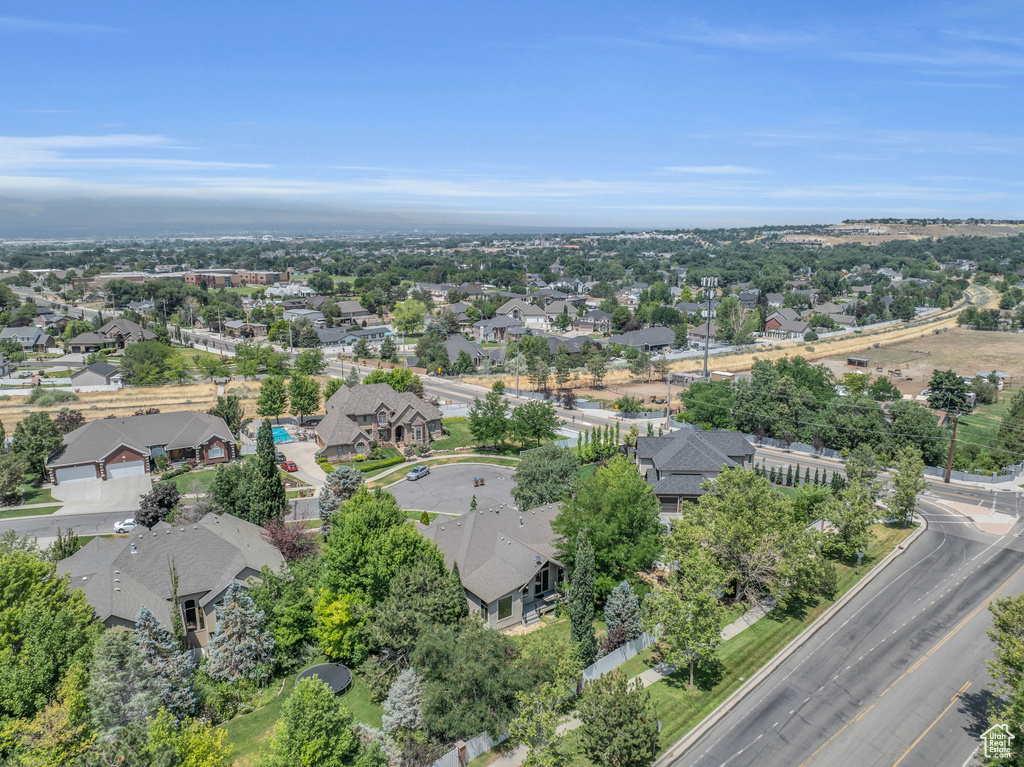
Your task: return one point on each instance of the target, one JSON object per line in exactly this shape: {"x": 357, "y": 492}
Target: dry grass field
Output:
{"x": 95, "y": 405}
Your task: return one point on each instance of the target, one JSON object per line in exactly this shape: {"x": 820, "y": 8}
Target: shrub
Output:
{"x": 810, "y": 335}
{"x": 46, "y": 397}
{"x": 455, "y": 419}
{"x": 325, "y": 465}
{"x": 293, "y": 542}
{"x": 627, "y": 404}
{"x": 176, "y": 473}
{"x": 161, "y": 462}
{"x": 383, "y": 464}
{"x": 358, "y": 457}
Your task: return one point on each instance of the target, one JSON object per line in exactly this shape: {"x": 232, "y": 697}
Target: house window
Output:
{"x": 215, "y": 451}
{"x": 483, "y": 611}
{"x": 382, "y": 419}
{"x": 360, "y": 448}
{"x": 504, "y": 608}
{"x": 194, "y": 618}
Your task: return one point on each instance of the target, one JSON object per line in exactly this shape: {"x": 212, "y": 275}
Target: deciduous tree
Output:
{"x": 273, "y": 398}
{"x": 618, "y": 509}
{"x": 546, "y": 474}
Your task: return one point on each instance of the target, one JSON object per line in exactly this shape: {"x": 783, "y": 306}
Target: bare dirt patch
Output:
{"x": 963, "y": 351}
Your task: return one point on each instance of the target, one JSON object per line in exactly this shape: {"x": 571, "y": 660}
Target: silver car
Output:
{"x": 125, "y": 526}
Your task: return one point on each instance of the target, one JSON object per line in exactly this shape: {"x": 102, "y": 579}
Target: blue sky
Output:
{"x": 574, "y": 114}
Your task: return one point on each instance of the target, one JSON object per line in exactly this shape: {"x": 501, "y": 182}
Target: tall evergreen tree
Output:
{"x": 456, "y": 604}
{"x": 340, "y": 485}
{"x": 164, "y": 660}
{"x": 622, "y": 613}
{"x": 264, "y": 493}
{"x": 619, "y": 726}
{"x": 403, "y": 708}
{"x": 121, "y": 690}
{"x": 241, "y": 648}
{"x": 581, "y": 600}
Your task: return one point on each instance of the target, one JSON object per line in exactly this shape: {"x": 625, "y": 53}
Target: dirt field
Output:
{"x": 908, "y": 232}
{"x": 95, "y": 405}
{"x": 964, "y": 351}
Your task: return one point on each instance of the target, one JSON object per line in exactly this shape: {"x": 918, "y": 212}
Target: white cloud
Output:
{"x": 711, "y": 170}
{"x": 21, "y": 24}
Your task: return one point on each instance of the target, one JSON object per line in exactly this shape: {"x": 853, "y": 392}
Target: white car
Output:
{"x": 124, "y": 527}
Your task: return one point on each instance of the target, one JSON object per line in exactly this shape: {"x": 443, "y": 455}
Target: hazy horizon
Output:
{"x": 223, "y": 117}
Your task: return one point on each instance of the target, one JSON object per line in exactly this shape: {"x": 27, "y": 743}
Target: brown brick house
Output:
{"x": 365, "y": 413}
{"x": 120, "y": 447}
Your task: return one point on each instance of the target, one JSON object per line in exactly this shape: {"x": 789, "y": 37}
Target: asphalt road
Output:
{"x": 897, "y": 677}
{"x": 1005, "y": 500}
{"x": 45, "y": 526}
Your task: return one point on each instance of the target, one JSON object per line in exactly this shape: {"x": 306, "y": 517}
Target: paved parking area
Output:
{"x": 304, "y": 455}
{"x": 95, "y": 495}
{"x": 449, "y": 489}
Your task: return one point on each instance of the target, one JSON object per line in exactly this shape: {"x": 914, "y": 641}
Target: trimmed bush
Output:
{"x": 176, "y": 473}
{"x": 385, "y": 464}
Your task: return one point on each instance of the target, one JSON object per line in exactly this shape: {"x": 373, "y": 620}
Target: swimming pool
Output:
{"x": 281, "y": 435}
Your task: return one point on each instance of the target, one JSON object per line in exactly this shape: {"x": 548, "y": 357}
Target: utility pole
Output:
{"x": 517, "y": 372}
{"x": 952, "y": 446}
{"x": 668, "y": 400}
{"x": 709, "y": 284}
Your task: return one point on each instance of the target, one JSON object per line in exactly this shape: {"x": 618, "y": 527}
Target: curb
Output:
{"x": 679, "y": 747}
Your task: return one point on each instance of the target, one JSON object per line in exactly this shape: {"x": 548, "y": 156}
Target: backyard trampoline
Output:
{"x": 334, "y": 675}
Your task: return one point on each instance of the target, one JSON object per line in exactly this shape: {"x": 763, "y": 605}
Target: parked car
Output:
{"x": 125, "y": 526}
{"x": 417, "y": 472}
{"x": 289, "y": 466}
{"x": 279, "y": 457}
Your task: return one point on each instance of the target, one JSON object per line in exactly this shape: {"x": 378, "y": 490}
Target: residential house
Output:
{"x": 338, "y": 336}
{"x": 507, "y": 561}
{"x": 87, "y": 343}
{"x": 549, "y": 295}
{"x": 785, "y": 323}
{"x": 121, "y": 332}
{"x": 495, "y": 329}
{"x": 122, "y": 574}
{"x": 96, "y": 374}
{"x": 437, "y": 290}
{"x": 677, "y": 464}
{"x": 698, "y": 334}
{"x": 6, "y": 367}
{"x": 317, "y": 318}
{"x": 458, "y": 310}
{"x": 353, "y": 313}
{"x": 51, "y": 321}
{"x": 365, "y": 413}
{"x": 470, "y": 290}
{"x": 143, "y": 306}
{"x": 530, "y": 315}
{"x": 32, "y": 340}
{"x": 459, "y": 343}
{"x": 648, "y": 339}
{"x": 594, "y": 321}
{"x": 120, "y": 447}
{"x": 244, "y": 329}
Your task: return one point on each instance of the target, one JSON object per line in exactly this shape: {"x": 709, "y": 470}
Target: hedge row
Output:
{"x": 385, "y": 464}
{"x": 175, "y": 473}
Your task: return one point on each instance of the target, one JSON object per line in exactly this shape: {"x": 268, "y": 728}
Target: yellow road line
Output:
{"x": 953, "y": 700}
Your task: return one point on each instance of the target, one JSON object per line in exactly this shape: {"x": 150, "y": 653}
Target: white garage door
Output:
{"x": 76, "y": 473}
{"x": 128, "y": 469}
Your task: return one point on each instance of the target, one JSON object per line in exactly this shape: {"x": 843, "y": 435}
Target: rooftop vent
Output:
{"x": 520, "y": 520}
{"x": 85, "y": 577}
{"x": 134, "y": 550}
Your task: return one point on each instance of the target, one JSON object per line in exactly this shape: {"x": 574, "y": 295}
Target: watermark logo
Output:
{"x": 997, "y": 739}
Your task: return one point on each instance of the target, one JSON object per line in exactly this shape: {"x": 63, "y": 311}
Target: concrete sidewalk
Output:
{"x": 647, "y": 678}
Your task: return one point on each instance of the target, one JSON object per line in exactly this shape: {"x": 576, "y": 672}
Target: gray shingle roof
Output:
{"x": 207, "y": 555}
{"x": 338, "y": 428}
{"x": 679, "y": 484}
{"x": 694, "y": 450}
{"x": 96, "y": 439}
{"x": 646, "y": 337}
{"x": 496, "y": 555}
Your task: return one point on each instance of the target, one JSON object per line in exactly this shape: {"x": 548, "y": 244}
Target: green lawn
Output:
{"x": 415, "y": 515}
{"x": 680, "y": 709}
{"x": 586, "y": 472}
{"x": 32, "y": 493}
{"x": 247, "y": 734}
{"x": 983, "y": 424}
{"x": 203, "y": 476}
{"x": 189, "y": 354}
{"x": 459, "y": 436}
{"x": 37, "y": 512}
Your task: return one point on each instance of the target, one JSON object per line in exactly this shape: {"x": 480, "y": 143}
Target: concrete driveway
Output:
{"x": 94, "y": 495}
{"x": 304, "y": 455}
{"x": 449, "y": 489}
